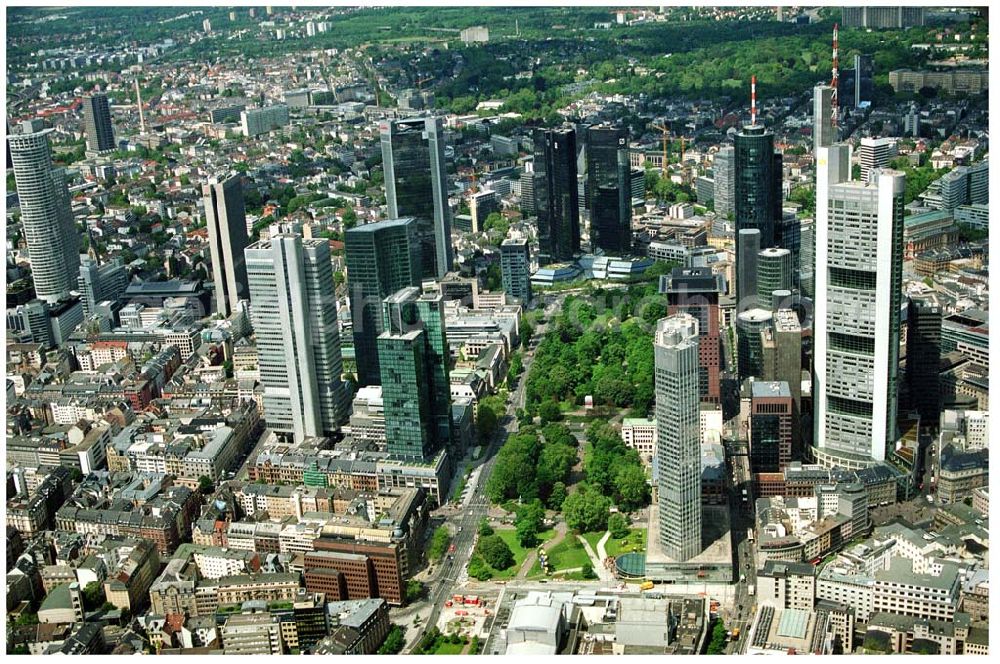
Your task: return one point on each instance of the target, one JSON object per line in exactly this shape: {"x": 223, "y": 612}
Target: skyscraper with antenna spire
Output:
{"x": 757, "y": 189}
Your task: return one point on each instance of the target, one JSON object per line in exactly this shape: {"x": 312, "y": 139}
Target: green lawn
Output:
{"x": 636, "y": 541}
{"x": 520, "y": 553}
{"x": 594, "y": 538}
{"x": 568, "y": 554}
{"x": 448, "y": 648}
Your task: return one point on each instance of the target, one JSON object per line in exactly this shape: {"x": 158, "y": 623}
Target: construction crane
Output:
{"x": 667, "y": 135}
{"x": 420, "y": 82}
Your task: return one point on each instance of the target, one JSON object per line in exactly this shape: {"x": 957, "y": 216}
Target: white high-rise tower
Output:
{"x": 46, "y": 214}
{"x": 859, "y": 263}
{"x": 678, "y": 450}
{"x": 294, "y": 314}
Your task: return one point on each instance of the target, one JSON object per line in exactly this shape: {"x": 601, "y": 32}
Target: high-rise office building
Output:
{"x": 99, "y": 283}
{"x": 875, "y": 153}
{"x": 748, "y": 244}
{"x": 97, "y": 123}
{"x": 46, "y": 214}
{"x": 864, "y": 79}
{"x": 807, "y": 259}
{"x": 771, "y": 425}
{"x": 749, "y": 347}
{"x": 527, "y": 182}
{"x": 678, "y": 451}
{"x": 609, "y": 179}
{"x": 781, "y": 349}
{"x": 882, "y": 17}
{"x": 774, "y": 273}
{"x": 724, "y": 174}
{"x": 824, "y": 133}
{"x": 413, "y": 361}
{"x": 225, "y": 216}
{"x": 381, "y": 258}
{"x": 515, "y": 269}
{"x": 923, "y": 358}
{"x": 695, "y": 291}
{"x": 758, "y": 192}
{"x": 556, "y": 199}
{"x": 416, "y": 185}
{"x": 294, "y": 316}
{"x": 859, "y": 261}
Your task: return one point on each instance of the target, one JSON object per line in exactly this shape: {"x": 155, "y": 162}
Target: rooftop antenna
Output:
{"x": 138, "y": 102}
{"x": 834, "y": 102}
{"x": 753, "y": 101}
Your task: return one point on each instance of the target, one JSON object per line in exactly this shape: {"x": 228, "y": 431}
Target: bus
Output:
{"x": 750, "y": 535}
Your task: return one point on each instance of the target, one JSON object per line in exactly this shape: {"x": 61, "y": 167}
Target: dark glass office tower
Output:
{"x": 758, "y": 192}
{"x": 416, "y": 391}
{"x": 923, "y": 358}
{"x": 381, "y": 258}
{"x": 416, "y": 185}
{"x": 610, "y": 189}
{"x": 864, "y": 79}
{"x": 556, "y": 201}
{"x": 97, "y": 123}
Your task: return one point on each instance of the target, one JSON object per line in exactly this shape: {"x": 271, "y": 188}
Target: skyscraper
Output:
{"x": 695, "y": 291}
{"x": 678, "y": 451}
{"x": 515, "y": 269}
{"x": 859, "y": 260}
{"x": 923, "y": 358}
{"x": 556, "y": 201}
{"x": 824, "y": 133}
{"x": 46, "y": 214}
{"x": 414, "y": 366}
{"x": 724, "y": 174}
{"x": 226, "y": 219}
{"x": 381, "y": 258}
{"x": 97, "y": 123}
{"x": 416, "y": 185}
{"x": 875, "y": 153}
{"x": 748, "y": 245}
{"x": 758, "y": 192}
{"x": 864, "y": 79}
{"x": 295, "y": 319}
{"x": 771, "y": 422}
{"x": 608, "y": 176}
{"x": 99, "y": 283}
{"x": 807, "y": 259}
{"x": 774, "y": 273}
{"x": 749, "y": 346}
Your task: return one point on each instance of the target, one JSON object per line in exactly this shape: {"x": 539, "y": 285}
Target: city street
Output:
{"x": 465, "y": 520}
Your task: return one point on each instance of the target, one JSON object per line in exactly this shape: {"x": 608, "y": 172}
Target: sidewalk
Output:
{"x": 603, "y": 574}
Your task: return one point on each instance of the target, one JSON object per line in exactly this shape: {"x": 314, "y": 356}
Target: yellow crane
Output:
{"x": 667, "y": 134}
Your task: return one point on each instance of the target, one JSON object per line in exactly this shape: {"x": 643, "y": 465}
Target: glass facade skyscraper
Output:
{"x": 226, "y": 219}
{"x": 416, "y": 185}
{"x": 515, "y": 269}
{"x": 381, "y": 258}
{"x": 556, "y": 195}
{"x": 609, "y": 184}
{"x": 757, "y": 191}
{"x": 97, "y": 123}
{"x": 415, "y": 387}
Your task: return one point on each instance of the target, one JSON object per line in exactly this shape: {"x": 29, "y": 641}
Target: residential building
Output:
{"x": 251, "y": 634}
{"x": 257, "y": 121}
{"x": 882, "y": 17}
{"x": 787, "y": 585}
